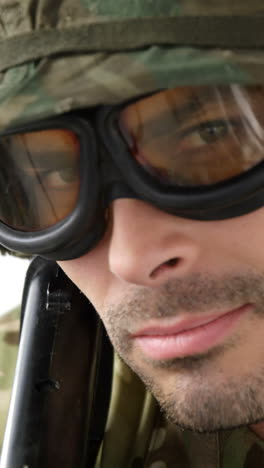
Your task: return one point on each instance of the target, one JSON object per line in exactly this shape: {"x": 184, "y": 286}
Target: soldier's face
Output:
{"x": 183, "y": 303}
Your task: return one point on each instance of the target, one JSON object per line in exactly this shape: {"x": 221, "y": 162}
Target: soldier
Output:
{"x": 132, "y": 150}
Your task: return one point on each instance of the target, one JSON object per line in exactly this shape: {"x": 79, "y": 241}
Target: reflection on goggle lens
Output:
{"x": 196, "y": 136}
{"x": 40, "y": 176}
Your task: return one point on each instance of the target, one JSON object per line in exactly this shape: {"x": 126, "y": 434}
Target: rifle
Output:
{"x": 63, "y": 376}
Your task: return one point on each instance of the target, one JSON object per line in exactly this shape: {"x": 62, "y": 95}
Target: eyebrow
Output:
{"x": 194, "y": 103}
{"x": 191, "y": 106}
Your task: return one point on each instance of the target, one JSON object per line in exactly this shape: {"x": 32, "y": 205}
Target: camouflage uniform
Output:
{"x": 61, "y": 55}
{"x": 139, "y": 436}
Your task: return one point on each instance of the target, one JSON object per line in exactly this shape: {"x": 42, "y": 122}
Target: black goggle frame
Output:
{"x": 110, "y": 172}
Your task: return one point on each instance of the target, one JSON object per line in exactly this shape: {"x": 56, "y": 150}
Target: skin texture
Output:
{"x": 219, "y": 266}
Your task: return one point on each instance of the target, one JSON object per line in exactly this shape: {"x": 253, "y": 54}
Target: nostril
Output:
{"x": 171, "y": 263}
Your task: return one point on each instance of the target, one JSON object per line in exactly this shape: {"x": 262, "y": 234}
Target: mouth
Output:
{"x": 188, "y": 336}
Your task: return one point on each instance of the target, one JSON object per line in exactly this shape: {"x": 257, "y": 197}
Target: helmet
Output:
{"x": 83, "y": 53}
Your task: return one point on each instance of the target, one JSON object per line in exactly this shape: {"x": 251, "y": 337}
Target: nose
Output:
{"x": 148, "y": 246}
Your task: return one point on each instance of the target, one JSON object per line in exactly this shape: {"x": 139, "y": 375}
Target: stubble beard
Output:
{"x": 198, "y": 397}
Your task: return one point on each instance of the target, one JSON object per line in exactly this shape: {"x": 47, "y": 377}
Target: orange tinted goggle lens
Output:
{"x": 196, "y": 136}
{"x": 40, "y": 178}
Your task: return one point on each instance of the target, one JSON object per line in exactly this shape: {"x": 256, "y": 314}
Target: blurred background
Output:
{"x": 12, "y": 274}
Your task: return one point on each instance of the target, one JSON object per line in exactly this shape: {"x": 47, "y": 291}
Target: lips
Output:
{"x": 188, "y": 336}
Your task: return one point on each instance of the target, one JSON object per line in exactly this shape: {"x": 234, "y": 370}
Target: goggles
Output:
{"x": 194, "y": 152}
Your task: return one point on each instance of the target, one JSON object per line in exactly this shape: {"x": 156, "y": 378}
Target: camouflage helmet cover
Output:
{"x": 59, "y": 55}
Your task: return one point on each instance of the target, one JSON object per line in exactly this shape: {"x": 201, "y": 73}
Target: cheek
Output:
{"x": 240, "y": 238}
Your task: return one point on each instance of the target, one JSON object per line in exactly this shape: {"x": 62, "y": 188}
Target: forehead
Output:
{"x": 190, "y": 99}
